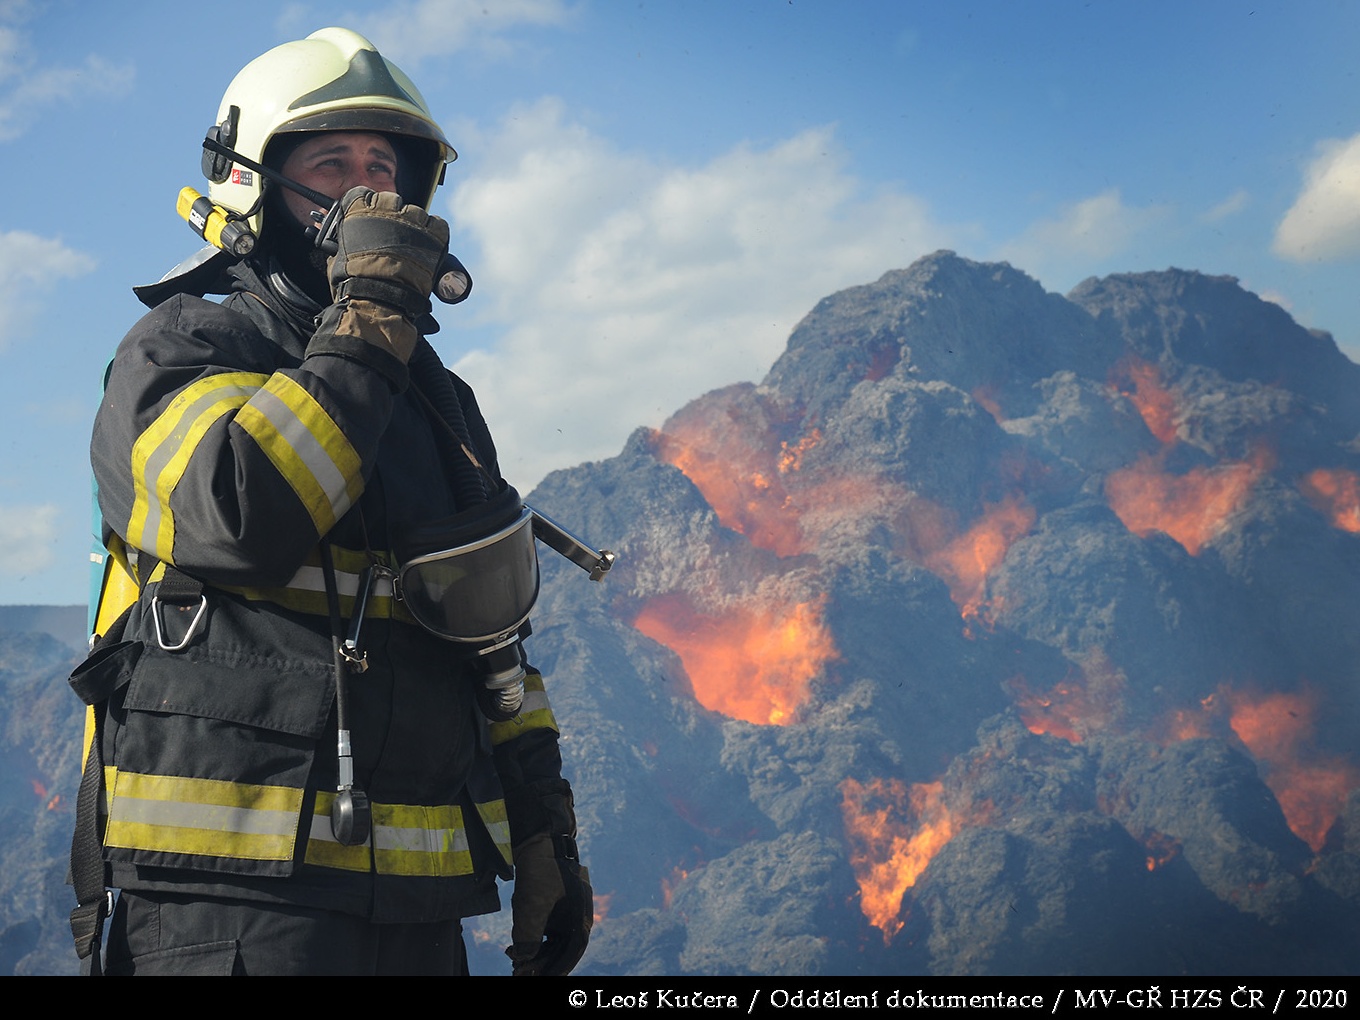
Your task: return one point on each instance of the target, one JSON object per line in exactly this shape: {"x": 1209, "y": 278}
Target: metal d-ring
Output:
{"x": 193, "y": 626}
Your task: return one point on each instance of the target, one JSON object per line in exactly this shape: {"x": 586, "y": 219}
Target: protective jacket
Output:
{"x": 229, "y": 443}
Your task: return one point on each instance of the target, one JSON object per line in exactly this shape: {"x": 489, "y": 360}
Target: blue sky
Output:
{"x": 650, "y": 195}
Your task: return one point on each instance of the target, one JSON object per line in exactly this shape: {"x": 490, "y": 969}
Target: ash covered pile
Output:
{"x": 994, "y": 632}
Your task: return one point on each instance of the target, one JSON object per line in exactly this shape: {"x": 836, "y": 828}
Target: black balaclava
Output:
{"x": 285, "y": 241}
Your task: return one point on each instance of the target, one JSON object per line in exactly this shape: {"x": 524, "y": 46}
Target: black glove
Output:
{"x": 553, "y": 905}
{"x": 553, "y": 908}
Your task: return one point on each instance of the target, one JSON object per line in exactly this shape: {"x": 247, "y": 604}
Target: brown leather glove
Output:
{"x": 384, "y": 269}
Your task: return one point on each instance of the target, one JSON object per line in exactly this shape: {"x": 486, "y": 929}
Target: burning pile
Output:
{"x": 993, "y": 632}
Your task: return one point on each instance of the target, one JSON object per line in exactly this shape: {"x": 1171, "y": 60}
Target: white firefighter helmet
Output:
{"x": 334, "y": 80}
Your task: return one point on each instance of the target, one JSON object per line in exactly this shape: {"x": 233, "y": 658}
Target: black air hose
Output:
{"x": 431, "y": 380}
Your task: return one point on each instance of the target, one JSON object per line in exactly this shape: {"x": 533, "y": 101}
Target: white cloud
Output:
{"x": 30, "y": 265}
{"x": 1230, "y": 206}
{"x": 624, "y": 287}
{"x": 27, "y": 88}
{"x": 1275, "y": 297}
{"x": 1093, "y": 228}
{"x": 28, "y": 535}
{"x": 1070, "y": 246}
{"x": 411, "y": 30}
{"x": 1323, "y": 224}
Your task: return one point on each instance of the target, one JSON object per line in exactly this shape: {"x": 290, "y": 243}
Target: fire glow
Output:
{"x": 1192, "y": 508}
{"x": 894, "y": 833}
{"x": 669, "y": 884}
{"x": 1336, "y": 494}
{"x": 1156, "y": 404}
{"x": 753, "y": 662}
{"x": 1311, "y": 788}
{"x": 602, "y": 901}
{"x": 1276, "y": 728}
{"x": 964, "y": 562}
{"x": 742, "y": 481}
{"x": 1077, "y": 707}
{"x": 1161, "y": 848}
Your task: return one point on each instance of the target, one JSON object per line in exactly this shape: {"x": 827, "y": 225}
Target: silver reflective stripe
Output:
{"x": 161, "y": 454}
{"x": 252, "y": 821}
{"x": 428, "y": 841}
{"x": 321, "y": 828}
{"x": 534, "y": 701}
{"x": 307, "y": 448}
{"x": 310, "y": 578}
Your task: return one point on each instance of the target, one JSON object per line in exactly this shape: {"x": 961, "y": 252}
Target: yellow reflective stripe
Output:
{"x": 160, "y": 456}
{"x": 409, "y": 839}
{"x": 307, "y": 447}
{"x": 497, "y": 824}
{"x": 417, "y": 840}
{"x": 322, "y": 847}
{"x": 535, "y": 714}
{"x": 208, "y": 817}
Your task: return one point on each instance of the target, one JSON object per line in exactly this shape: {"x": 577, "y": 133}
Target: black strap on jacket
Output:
{"x": 89, "y": 872}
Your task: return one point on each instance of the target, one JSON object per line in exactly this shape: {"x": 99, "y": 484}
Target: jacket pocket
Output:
{"x": 211, "y": 762}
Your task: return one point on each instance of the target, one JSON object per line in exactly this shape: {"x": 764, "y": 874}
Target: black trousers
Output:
{"x": 155, "y": 933}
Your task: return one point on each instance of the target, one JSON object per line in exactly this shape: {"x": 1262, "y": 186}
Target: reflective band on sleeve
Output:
{"x": 415, "y": 840}
{"x": 207, "y": 817}
{"x": 535, "y": 714}
{"x": 308, "y": 448}
{"x": 161, "y": 454}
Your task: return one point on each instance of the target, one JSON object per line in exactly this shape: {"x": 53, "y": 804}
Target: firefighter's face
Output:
{"x": 335, "y": 162}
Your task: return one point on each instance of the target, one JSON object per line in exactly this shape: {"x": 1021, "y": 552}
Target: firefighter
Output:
{"x": 298, "y": 765}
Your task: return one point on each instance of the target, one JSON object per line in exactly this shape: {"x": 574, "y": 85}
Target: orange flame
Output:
{"x": 1155, "y": 403}
{"x": 669, "y": 884}
{"x": 1161, "y": 848}
{"x": 602, "y": 901}
{"x": 1192, "y": 508}
{"x": 1311, "y": 789}
{"x": 1190, "y": 723}
{"x": 791, "y": 457}
{"x": 741, "y": 482}
{"x": 964, "y": 562}
{"x": 891, "y": 845}
{"x": 1336, "y": 494}
{"x": 1074, "y": 708}
{"x": 1184, "y": 724}
{"x": 752, "y": 662}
